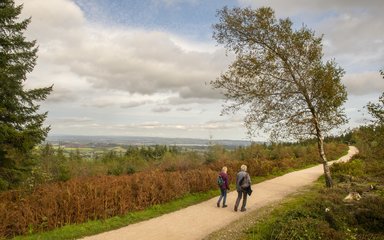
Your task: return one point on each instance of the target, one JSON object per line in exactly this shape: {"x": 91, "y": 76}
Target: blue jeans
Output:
{"x": 223, "y": 195}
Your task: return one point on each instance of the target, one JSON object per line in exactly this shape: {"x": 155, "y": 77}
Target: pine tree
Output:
{"x": 21, "y": 126}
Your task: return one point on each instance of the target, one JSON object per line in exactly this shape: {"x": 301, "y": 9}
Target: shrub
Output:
{"x": 304, "y": 228}
{"x": 348, "y": 170}
{"x": 78, "y": 200}
{"x": 370, "y": 214}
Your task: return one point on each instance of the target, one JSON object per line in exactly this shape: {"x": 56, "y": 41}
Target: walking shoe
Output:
{"x": 243, "y": 210}
{"x": 218, "y": 204}
{"x": 235, "y": 209}
{"x": 224, "y": 206}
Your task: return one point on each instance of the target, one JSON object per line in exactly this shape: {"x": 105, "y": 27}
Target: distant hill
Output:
{"x": 147, "y": 141}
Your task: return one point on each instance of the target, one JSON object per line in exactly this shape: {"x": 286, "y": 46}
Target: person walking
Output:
{"x": 243, "y": 187}
{"x": 224, "y": 186}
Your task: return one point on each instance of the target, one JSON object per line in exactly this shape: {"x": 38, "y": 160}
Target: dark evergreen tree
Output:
{"x": 21, "y": 125}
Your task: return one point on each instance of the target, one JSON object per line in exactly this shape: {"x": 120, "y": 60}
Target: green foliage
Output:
{"x": 377, "y": 109}
{"x": 343, "y": 171}
{"x": 370, "y": 137}
{"x": 299, "y": 218}
{"x": 57, "y": 164}
{"x": 370, "y": 214}
{"x": 323, "y": 213}
{"x": 21, "y": 126}
{"x": 90, "y": 195}
{"x": 278, "y": 75}
{"x": 369, "y": 141}
{"x": 214, "y": 153}
{"x": 4, "y": 185}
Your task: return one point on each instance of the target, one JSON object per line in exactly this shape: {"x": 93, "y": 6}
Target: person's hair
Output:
{"x": 224, "y": 169}
{"x": 243, "y": 168}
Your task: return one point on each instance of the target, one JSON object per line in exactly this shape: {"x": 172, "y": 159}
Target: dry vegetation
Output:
{"x": 55, "y": 204}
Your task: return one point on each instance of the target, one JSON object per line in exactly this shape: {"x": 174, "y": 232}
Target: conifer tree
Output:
{"x": 21, "y": 125}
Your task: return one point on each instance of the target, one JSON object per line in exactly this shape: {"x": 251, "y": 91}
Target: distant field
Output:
{"x": 87, "y": 152}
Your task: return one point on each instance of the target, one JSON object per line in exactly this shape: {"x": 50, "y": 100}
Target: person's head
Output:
{"x": 243, "y": 168}
{"x": 224, "y": 169}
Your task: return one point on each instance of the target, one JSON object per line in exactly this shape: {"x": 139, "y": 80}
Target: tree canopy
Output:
{"x": 376, "y": 110}
{"x": 279, "y": 76}
{"x": 21, "y": 125}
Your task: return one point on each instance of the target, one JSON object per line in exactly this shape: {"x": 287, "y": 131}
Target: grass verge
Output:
{"x": 318, "y": 212}
{"x": 255, "y": 224}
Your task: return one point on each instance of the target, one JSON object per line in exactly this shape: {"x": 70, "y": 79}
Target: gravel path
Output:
{"x": 198, "y": 221}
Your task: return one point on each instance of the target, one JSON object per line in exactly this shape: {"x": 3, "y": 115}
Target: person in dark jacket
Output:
{"x": 243, "y": 187}
{"x": 224, "y": 187}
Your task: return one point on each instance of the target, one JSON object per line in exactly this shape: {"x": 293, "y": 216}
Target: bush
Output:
{"x": 79, "y": 200}
{"x": 304, "y": 228}
{"x": 87, "y": 197}
{"x": 349, "y": 170}
{"x": 370, "y": 214}
{"x": 3, "y": 184}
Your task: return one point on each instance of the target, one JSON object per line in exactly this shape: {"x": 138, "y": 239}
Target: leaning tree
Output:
{"x": 279, "y": 77}
{"x": 21, "y": 125}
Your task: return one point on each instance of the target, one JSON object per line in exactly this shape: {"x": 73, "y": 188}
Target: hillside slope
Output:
{"x": 198, "y": 221}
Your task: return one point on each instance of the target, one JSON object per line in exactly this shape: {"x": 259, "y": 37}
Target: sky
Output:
{"x": 144, "y": 67}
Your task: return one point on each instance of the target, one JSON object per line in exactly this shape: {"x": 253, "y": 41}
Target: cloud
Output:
{"x": 62, "y": 95}
{"x": 352, "y": 36}
{"x": 110, "y": 77}
{"x": 145, "y": 63}
{"x": 53, "y": 20}
{"x": 131, "y": 60}
{"x": 161, "y": 109}
{"x": 85, "y": 125}
{"x": 175, "y": 100}
{"x": 184, "y": 109}
{"x": 133, "y": 104}
{"x": 298, "y": 7}
{"x": 74, "y": 120}
{"x": 364, "y": 83}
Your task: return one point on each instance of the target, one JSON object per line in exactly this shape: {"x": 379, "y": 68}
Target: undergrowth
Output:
{"x": 323, "y": 213}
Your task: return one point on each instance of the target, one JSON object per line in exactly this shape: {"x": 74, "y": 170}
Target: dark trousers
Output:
{"x": 223, "y": 195}
{"x": 241, "y": 194}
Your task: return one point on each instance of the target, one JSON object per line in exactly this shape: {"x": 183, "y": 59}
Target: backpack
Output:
{"x": 220, "y": 181}
{"x": 244, "y": 183}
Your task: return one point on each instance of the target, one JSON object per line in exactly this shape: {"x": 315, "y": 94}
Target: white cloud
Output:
{"x": 364, "y": 83}
{"x": 132, "y": 60}
{"x": 118, "y": 80}
{"x": 352, "y": 36}
{"x": 161, "y": 109}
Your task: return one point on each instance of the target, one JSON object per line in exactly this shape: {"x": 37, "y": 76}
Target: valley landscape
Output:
{"x": 106, "y": 108}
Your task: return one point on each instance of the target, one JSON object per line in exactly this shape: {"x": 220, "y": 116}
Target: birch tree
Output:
{"x": 279, "y": 77}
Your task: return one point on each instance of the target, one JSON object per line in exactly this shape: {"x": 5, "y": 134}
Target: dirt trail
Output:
{"x": 197, "y": 221}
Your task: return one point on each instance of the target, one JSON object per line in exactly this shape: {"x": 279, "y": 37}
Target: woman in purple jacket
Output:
{"x": 223, "y": 187}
